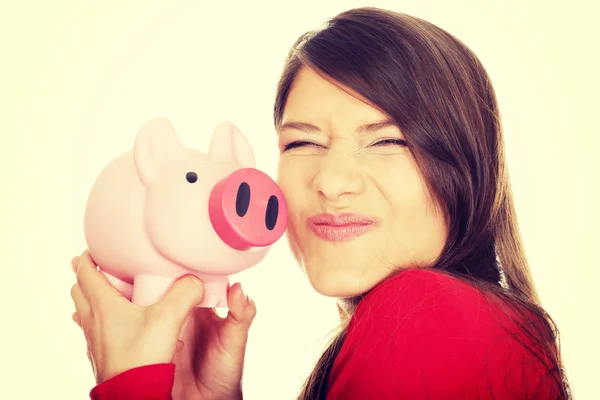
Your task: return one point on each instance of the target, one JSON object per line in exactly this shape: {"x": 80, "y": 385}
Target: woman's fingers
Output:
{"x": 242, "y": 309}
{"x": 181, "y": 298}
{"x": 94, "y": 285}
{"x": 120, "y": 334}
{"x": 82, "y": 306}
{"x": 233, "y": 329}
{"x": 77, "y": 319}
{"x": 75, "y": 263}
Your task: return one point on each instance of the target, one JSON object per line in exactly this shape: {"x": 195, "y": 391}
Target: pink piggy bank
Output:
{"x": 163, "y": 211}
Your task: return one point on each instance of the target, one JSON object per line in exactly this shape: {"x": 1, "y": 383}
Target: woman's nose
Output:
{"x": 338, "y": 177}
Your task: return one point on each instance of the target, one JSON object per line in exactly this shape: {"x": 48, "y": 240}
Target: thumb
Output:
{"x": 180, "y": 299}
{"x": 242, "y": 311}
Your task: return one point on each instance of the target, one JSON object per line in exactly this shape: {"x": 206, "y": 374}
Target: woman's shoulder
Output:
{"x": 422, "y": 290}
{"x": 428, "y": 305}
{"x": 435, "y": 334}
{"x": 418, "y": 279}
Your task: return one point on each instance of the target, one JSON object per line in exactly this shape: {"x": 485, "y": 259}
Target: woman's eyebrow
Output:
{"x": 376, "y": 126}
{"x": 300, "y": 126}
{"x": 310, "y": 128}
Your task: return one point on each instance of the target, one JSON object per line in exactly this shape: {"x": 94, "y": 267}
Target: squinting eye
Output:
{"x": 385, "y": 142}
{"x": 299, "y": 143}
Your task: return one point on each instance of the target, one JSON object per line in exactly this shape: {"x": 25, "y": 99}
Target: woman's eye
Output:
{"x": 299, "y": 143}
{"x": 386, "y": 142}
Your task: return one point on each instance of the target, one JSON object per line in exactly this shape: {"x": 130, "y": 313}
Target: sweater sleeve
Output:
{"x": 149, "y": 382}
{"x": 425, "y": 335}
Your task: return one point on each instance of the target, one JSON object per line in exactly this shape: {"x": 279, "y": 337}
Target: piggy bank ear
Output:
{"x": 228, "y": 144}
{"x": 156, "y": 144}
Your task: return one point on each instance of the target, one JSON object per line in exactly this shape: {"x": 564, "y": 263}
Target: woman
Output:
{"x": 393, "y": 167}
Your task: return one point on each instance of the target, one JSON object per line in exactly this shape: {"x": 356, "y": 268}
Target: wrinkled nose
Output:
{"x": 338, "y": 178}
{"x": 247, "y": 209}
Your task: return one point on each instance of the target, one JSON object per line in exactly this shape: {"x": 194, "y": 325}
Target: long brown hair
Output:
{"x": 441, "y": 97}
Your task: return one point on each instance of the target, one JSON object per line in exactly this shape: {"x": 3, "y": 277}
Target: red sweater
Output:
{"x": 418, "y": 335}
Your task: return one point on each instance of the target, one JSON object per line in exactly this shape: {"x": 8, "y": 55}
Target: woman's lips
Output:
{"x": 340, "y": 227}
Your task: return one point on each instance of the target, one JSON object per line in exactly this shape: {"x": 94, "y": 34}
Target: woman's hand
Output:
{"x": 121, "y": 335}
{"x": 209, "y": 357}
{"x": 210, "y": 365}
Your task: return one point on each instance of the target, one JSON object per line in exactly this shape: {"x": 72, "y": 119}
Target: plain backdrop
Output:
{"x": 79, "y": 78}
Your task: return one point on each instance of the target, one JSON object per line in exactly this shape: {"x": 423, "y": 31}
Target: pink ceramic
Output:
{"x": 162, "y": 211}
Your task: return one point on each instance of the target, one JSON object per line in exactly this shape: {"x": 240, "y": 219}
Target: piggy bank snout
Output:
{"x": 242, "y": 205}
{"x": 247, "y": 209}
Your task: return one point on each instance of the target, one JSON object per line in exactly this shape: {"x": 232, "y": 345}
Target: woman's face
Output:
{"x": 358, "y": 208}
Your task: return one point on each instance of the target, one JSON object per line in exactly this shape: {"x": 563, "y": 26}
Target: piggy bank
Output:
{"x": 163, "y": 211}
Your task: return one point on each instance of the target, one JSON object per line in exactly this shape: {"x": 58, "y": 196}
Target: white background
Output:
{"x": 78, "y": 78}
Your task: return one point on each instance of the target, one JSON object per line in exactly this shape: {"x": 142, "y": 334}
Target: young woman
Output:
{"x": 392, "y": 162}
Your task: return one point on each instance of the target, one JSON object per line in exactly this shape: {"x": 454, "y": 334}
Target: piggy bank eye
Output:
{"x": 191, "y": 177}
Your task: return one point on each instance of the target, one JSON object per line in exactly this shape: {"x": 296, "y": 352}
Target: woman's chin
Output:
{"x": 339, "y": 282}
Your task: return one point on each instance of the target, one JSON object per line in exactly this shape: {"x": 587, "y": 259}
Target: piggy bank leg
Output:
{"x": 125, "y": 288}
{"x": 148, "y": 289}
{"x": 223, "y": 302}
{"x": 215, "y": 292}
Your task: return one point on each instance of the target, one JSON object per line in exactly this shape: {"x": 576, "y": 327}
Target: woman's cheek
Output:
{"x": 293, "y": 179}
